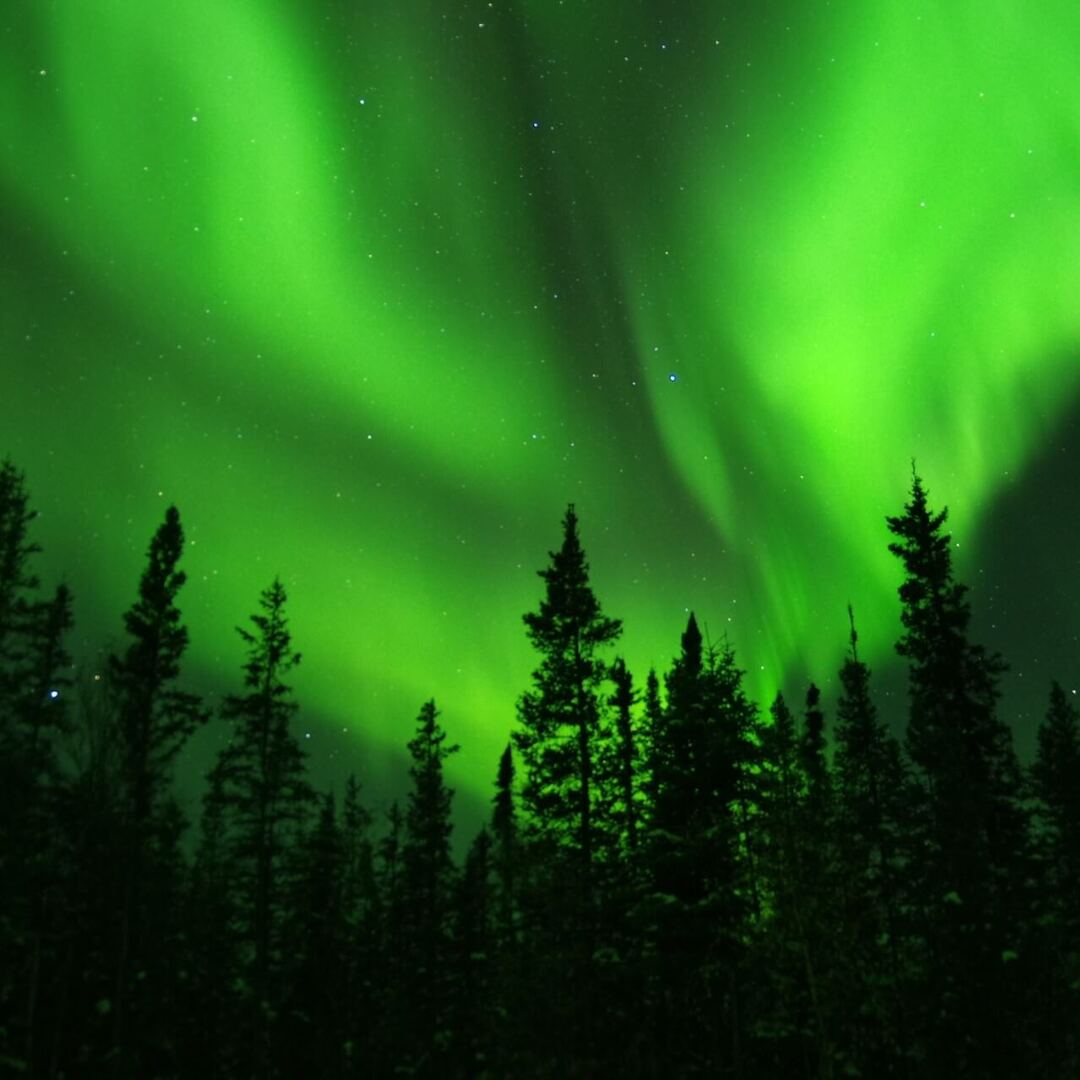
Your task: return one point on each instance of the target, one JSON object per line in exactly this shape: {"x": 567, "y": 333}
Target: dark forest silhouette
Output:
{"x": 672, "y": 882}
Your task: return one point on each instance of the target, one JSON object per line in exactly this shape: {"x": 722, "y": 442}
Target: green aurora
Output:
{"x": 371, "y": 291}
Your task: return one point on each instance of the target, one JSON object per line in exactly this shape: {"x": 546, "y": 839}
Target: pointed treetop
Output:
{"x": 426, "y": 747}
{"x": 854, "y": 639}
{"x": 783, "y": 721}
{"x": 158, "y": 637}
{"x": 569, "y": 611}
{"x": 918, "y": 522}
{"x": 691, "y": 643}
{"x": 505, "y": 778}
{"x": 624, "y": 696}
{"x": 570, "y": 553}
{"x": 271, "y": 647}
{"x": 934, "y": 607}
{"x": 153, "y": 620}
{"x": 502, "y": 814}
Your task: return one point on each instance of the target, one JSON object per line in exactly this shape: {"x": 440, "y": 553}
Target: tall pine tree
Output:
{"x": 559, "y": 718}
{"x": 558, "y": 737}
{"x": 504, "y": 845}
{"x": 701, "y": 866}
{"x": 267, "y": 801}
{"x": 428, "y": 893}
{"x": 872, "y": 810}
{"x": 974, "y": 878}
{"x": 34, "y": 684}
{"x": 155, "y": 720}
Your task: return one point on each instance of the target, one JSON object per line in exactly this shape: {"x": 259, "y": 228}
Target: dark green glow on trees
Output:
{"x": 688, "y": 887}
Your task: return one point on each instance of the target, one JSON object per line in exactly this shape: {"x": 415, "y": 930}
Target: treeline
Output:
{"x": 672, "y": 882}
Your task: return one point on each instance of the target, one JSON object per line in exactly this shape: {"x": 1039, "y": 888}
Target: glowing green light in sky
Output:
{"x": 371, "y": 295}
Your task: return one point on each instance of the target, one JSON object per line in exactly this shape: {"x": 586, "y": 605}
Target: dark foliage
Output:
{"x": 672, "y": 883}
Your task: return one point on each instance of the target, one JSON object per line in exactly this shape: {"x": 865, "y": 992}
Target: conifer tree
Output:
{"x": 869, "y": 771}
{"x": 426, "y": 853}
{"x": 678, "y": 779}
{"x": 34, "y": 682}
{"x": 700, "y": 868}
{"x": 504, "y": 848}
{"x": 429, "y": 883}
{"x": 704, "y": 760}
{"x": 872, "y": 806}
{"x": 558, "y": 739}
{"x": 34, "y": 677}
{"x": 797, "y": 945}
{"x": 559, "y": 718}
{"x": 268, "y": 799}
{"x": 155, "y": 720}
{"x": 784, "y": 1008}
{"x": 974, "y": 880}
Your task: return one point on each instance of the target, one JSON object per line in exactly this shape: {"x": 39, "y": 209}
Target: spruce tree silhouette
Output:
{"x": 560, "y": 716}
{"x": 429, "y": 882}
{"x": 698, "y": 852}
{"x": 267, "y": 801}
{"x": 34, "y": 713}
{"x": 34, "y": 665}
{"x": 34, "y": 669}
{"x": 504, "y": 854}
{"x": 557, "y": 736}
{"x": 873, "y": 802}
{"x": 155, "y": 720}
{"x": 785, "y": 1005}
{"x": 974, "y": 888}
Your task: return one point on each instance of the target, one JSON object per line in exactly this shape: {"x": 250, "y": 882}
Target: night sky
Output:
{"x": 371, "y": 291}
